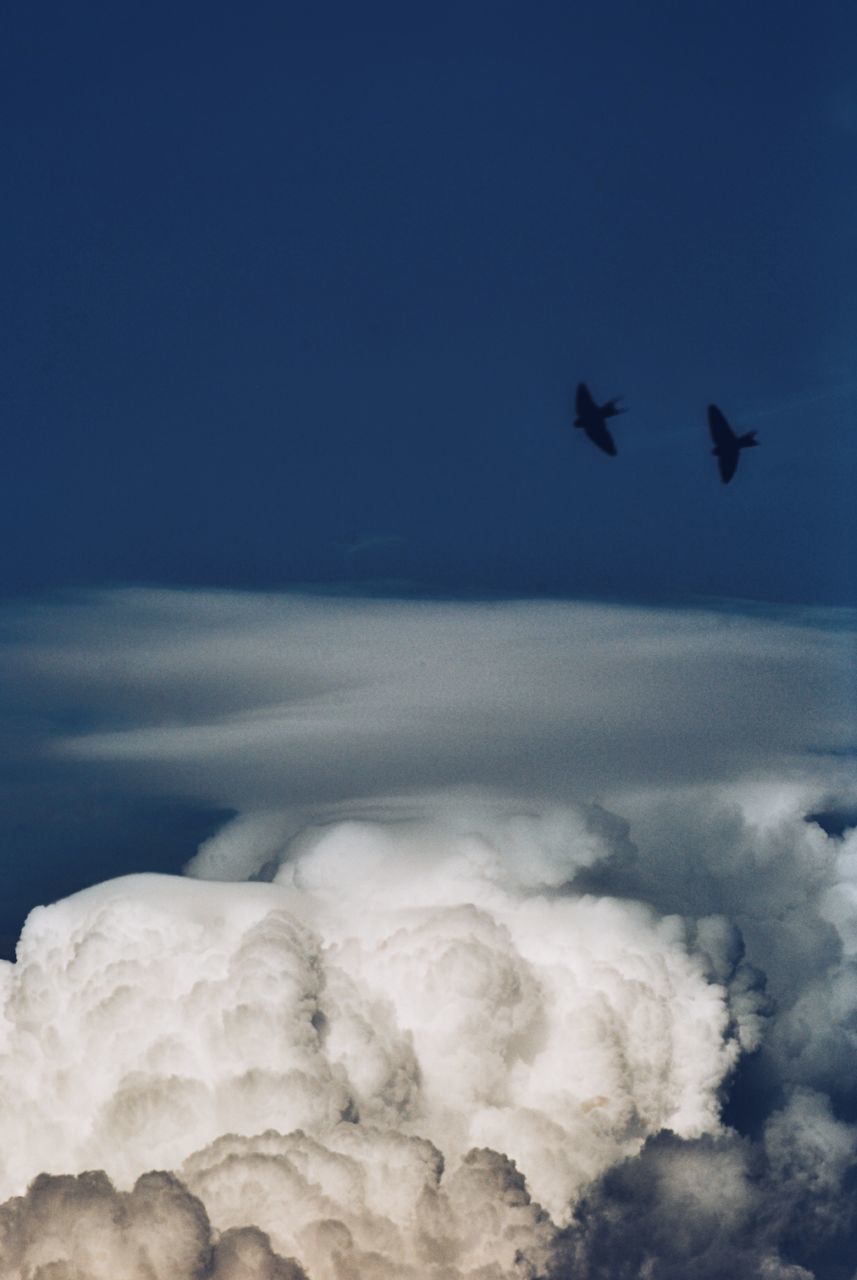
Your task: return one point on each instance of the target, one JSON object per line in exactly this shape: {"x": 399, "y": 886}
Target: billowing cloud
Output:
{"x": 392, "y": 1004}
{"x": 542, "y": 971}
{"x": 722, "y": 1206}
{"x": 82, "y": 1228}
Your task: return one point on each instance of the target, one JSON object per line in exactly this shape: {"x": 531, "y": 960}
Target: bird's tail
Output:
{"x": 747, "y": 441}
{"x": 611, "y": 408}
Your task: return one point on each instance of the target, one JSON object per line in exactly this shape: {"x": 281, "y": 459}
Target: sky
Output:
{"x": 300, "y": 296}
{"x": 428, "y": 842}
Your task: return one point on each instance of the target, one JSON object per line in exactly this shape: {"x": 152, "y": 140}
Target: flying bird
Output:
{"x": 593, "y": 418}
{"x": 727, "y": 445}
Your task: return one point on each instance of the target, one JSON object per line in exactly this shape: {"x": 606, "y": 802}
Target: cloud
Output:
{"x": 378, "y": 1204}
{"x": 542, "y": 970}
{"x": 390, "y": 1034}
{"x": 722, "y": 1206}
{"x": 82, "y": 1228}
{"x": 273, "y": 702}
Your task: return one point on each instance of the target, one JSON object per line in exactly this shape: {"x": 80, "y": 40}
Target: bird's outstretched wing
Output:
{"x": 728, "y": 464}
{"x": 598, "y": 434}
{"x": 583, "y": 402}
{"x": 726, "y": 447}
{"x": 721, "y": 432}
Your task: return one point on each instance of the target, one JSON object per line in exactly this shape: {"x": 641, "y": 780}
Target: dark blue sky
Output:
{"x": 298, "y": 293}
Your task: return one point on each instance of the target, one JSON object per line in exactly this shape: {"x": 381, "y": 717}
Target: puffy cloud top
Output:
{"x": 360, "y": 1043}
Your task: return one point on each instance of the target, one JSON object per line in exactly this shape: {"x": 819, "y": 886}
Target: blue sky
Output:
{"x": 300, "y": 295}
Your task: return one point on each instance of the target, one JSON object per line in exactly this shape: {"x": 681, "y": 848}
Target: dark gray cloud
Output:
{"x": 719, "y": 1205}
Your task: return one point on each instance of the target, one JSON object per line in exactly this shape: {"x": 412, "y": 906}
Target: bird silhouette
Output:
{"x": 727, "y": 445}
{"x": 593, "y": 418}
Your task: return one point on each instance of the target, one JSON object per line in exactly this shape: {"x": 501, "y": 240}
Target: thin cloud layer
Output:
{"x": 544, "y": 971}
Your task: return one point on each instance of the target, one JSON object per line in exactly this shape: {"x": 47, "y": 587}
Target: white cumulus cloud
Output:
{"x": 373, "y": 1031}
